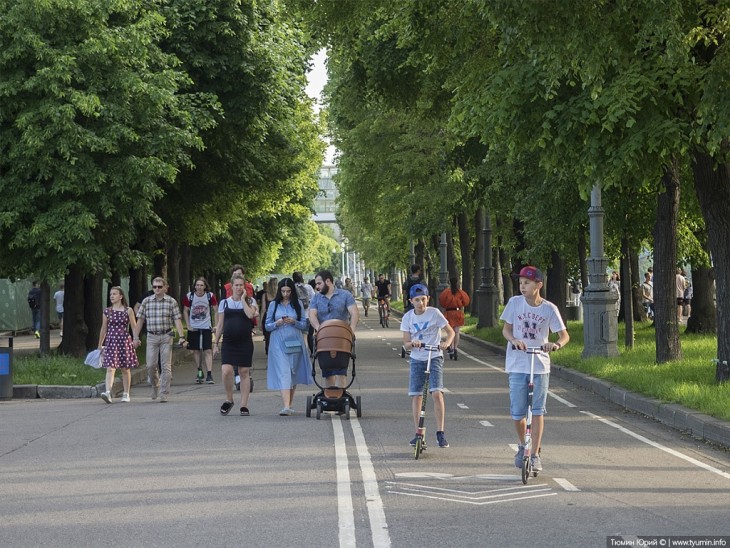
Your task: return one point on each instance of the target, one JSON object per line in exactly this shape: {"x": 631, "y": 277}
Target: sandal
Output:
{"x": 226, "y": 407}
{"x": 244, "y": 411}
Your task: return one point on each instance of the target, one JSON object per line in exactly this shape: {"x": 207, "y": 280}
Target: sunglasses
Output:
{"x": 157, "y": 287}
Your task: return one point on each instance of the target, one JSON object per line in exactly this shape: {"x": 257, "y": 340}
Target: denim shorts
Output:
{"x": 418, "y": 376}
{"x": 518, "y": 394}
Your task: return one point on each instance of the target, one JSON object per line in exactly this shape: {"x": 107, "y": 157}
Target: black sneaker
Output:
{"x": 209, "y": 379}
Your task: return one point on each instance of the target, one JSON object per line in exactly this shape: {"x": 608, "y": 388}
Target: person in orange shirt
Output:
{"x": 453, "y": 301}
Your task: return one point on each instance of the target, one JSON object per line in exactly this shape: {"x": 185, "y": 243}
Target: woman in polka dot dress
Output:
{"x": 115, "y": 342}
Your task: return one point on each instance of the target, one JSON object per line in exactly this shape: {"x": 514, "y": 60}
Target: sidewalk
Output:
{"x": 697, "y": 424}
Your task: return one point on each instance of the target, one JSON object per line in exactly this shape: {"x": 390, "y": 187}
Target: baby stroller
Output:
{"x": 333, "y": 348}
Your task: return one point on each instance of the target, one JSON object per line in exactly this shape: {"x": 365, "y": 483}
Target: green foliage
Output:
{"x": 55, "y": 370}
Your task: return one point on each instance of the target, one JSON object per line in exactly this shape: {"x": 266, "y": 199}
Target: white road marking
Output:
{"x": 376, "y": 513}
{"x": 462, "y": 406}
{"x": 480, "y": 361}
{"x": 659, "y": 446}
{"x": 561, "y": 400}
{"x": 345, "y": 510}
{"x": 485, "y": 423}
{"x": 565, "y": 484}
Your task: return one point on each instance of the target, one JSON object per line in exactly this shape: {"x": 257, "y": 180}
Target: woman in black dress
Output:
{"x": 235, "y": 324}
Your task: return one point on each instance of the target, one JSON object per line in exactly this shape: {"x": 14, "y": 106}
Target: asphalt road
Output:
{"x": 82, "y": 473}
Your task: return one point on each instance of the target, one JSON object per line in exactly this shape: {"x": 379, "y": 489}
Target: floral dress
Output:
{"x": 118, "y": 349}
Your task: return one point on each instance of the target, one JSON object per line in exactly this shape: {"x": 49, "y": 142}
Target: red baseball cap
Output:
{"x": 531, "y": 273}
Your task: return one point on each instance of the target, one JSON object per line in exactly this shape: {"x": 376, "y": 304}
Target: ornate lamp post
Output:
{"x": 487, "y": 292}
{"x": 600, "y": 310}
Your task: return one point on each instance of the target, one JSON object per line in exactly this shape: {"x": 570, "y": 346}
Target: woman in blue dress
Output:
{"x": 288, "y": 363}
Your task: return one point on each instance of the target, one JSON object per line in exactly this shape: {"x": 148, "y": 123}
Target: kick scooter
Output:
{"x": 527, "y": 470}
{"x": 421, "y": 430}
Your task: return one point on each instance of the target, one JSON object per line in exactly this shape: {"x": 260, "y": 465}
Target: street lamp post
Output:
{"x": 600, "y": 307}
{"x": 487, "y": 292}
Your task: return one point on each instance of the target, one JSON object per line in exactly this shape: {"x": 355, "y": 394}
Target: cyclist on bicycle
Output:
{"x": 383, "y": 287}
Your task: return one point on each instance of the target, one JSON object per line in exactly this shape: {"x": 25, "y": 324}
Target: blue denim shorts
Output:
{"x": 518, "y": 394}
{"x": 418, "y": 376}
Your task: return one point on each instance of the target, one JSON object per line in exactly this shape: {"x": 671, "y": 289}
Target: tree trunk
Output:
{"x": 703, "y": 318}
{"x": 74, "y": 326}
{"x": 173, "y": 270}
{"x": 498, "y": 275}
{"x": 465, "y": 246}
{"x": 582, "y": 258}
{"x": 479, "y": 220}
{"x": 626, "y": 292}
{"x": 668, "y": 346}
{"x": 186, "y": 276}
{"x": 137, "y": 285}
{"x": 712, "y": 185}
{"x": 556, "y": 290}
{"x": 636, "y": 280}
{"x": 451, "y": 263}
{"x": 93, "y": 308}
{"x": 45, "y": 342}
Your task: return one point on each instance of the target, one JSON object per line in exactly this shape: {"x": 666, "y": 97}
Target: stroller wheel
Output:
{"x": 358, "y": 406}
{"x": 347, "y": 411}
{"x": 319, "y": 410}
{"x": 308, "y": 409}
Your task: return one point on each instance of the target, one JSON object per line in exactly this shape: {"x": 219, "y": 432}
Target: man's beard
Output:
{"x": 325, "y": 289}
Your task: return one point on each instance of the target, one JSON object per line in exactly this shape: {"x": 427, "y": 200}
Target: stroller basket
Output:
{"x": 334, "y": 344}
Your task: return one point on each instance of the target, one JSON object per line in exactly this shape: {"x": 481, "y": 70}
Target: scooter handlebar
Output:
{"x": 530, "y": 349}
{"x": 430, "y": 347}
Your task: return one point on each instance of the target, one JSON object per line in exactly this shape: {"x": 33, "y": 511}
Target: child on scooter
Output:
{"x": 422, "y": 326}
{"x": 528, "y": 321}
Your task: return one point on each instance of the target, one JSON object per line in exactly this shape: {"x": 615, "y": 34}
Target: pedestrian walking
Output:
{"x": 199, "y": 309}
{"x": 116, "y": 345}
{"x": 235, "y": 326}
{"x": 159, "y": 312}
{"x": 454, "y": 300}
{"x": 288, "y": 362}
{"x": 58, "y": 297}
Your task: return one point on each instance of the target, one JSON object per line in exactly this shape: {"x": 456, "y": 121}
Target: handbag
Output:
{"x": 292, "y": 347}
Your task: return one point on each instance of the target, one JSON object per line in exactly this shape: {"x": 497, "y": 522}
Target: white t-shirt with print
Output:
{"x": 426, "y": 328}
{"x": 531, "y": 325}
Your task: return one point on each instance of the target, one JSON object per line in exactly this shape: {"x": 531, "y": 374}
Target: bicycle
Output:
{"x": 421, "y": 430}
{"x": 383, "y": 311}
{"x": 527, "y": 469}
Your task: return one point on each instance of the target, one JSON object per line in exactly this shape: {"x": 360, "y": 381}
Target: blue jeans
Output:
{"x": 36, "y": 314}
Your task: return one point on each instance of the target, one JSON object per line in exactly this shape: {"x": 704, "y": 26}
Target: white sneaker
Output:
{"x": 155, "y": 392}
{"x": 125, "y": 397}
{"x": 106, "y": 396}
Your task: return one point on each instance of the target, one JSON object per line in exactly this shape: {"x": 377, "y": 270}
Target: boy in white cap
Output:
{"x": 422, "y": 326}
{"x": 528, "y": 320}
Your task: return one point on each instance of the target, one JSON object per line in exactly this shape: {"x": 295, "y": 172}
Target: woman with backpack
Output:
{"x": 199, "y": 308}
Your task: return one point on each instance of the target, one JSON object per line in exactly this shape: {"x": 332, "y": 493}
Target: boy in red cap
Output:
{"x": 528, "y": 321}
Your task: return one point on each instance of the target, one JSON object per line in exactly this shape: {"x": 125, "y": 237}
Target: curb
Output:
{"x": 50, "y": 392}
{"x": 698, "y": 425}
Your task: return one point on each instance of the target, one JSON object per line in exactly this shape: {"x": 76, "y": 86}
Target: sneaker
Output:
{"x": 238, "y": 382}
{"x": 37, "y": 334}
{"x": 414, "y": 440}
{"x": 519, "y": 456}
{"x": 106, "y": 396}
{"x": 443, "y": 444}
{"x": 285, "y": 412}
{"x": 536, "y": 463}
{"x": 209, "y": 378}
{"x": 163, "y": 399}
{"x": 125, "y": 397}
{"x": 155, "y": 392}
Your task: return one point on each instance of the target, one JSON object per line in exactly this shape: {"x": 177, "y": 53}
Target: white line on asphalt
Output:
{"x": 378, "y": 524}
{"x": 485, "y": 423}
{"x": 660, "y": 446}
{"x": 480, "y": 361}
{"x": 561, "y": 400}
{"x": 565, "y": 484}
{"x": 476, "y": 503}
{"x": 344, "y": 493}
{"x": 462, "y": 406}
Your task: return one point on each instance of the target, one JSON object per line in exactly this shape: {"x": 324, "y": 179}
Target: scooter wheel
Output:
{"x": 418, "y": 449}
{"x": 526, "y": 470}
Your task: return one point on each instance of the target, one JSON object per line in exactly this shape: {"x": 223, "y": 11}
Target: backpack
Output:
{"x": 302, "y": 295}
{"x": 31, "y": 301}
{"x": 207, "y": 294}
